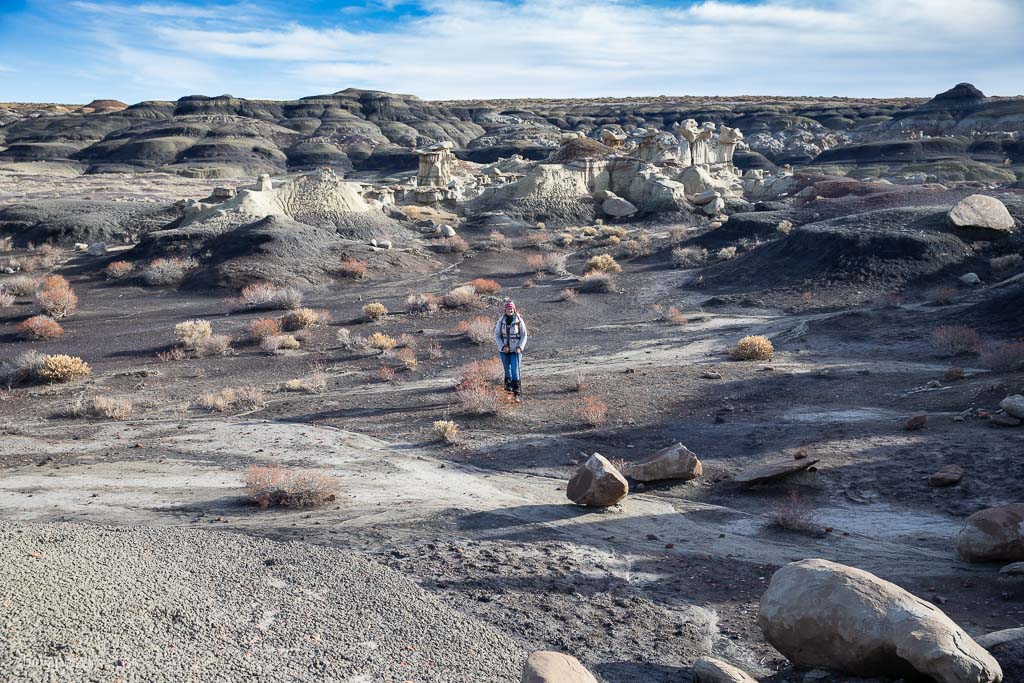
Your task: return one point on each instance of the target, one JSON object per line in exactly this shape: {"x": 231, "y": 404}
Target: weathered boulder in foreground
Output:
{"x": 554, "y": 667}
{"x": 674, "y": 462}
{"x": 597, "y": 483}
{"x": 993, "y": 535}
{"x": 760, "y": 474}
{"x": 711, "y": 670}
{"x": 981, "y": 212}
{"x": 1013, "y": 405}
{"x": 821, "y": 614}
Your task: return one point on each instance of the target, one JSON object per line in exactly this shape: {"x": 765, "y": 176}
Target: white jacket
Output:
{"x": 513, "y": 336}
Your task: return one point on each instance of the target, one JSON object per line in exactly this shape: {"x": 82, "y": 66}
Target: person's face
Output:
{"x": 510, "y": 310}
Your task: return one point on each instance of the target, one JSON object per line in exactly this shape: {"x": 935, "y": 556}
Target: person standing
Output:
{"x": 510, "y": 336}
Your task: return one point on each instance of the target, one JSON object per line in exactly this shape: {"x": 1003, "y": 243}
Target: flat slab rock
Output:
{"x": 760, "y": 474}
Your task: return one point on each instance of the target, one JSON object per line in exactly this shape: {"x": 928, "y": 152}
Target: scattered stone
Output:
{"x": 702, "y": 198}
{"x": 1013, "y": 569}
{"x": 81, "y": 246}
{"x": 97, "y": 249}
{"x": 1013, "y": 405}
{"x": 554, "y": 667}
{"x": 673, "y": 462}
{"x": 981, "y": 211}
{"x": 1004, "y": 420}
{"x": 760, "y": 474}
{"x": 618, "y": 207}
{"x": 953, "y": 374}
{"x": 971, "y": 279}
{"x": 714, "y": 207}
{"x": 711, "y": 374}
{"x": 383, "y": 244}
{"x": 826, "y": 615}
{"x": 445, "y": 231}
{"x": 934, "y": 384}
{"x": 711, "y": 670}
{"x": 916, "y": 422}
{"x": 947, "y": 475}
{"x": 993, "y": 535}
{"x": 597, "y": 483}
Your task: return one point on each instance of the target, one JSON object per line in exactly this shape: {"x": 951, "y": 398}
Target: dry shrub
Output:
{"x": 278, "y": 343}
{"x": 941, "y": 296}
{"x": 270, "y": 297}
{"x": 263, "y": 328}
{"x": 1004, "y": 357}
{"x": 613, "y": 231}
{"x": 434, "y": 350}
{"x": 447, "y": 431}
{"x": 565, "y": 239}
{"x": 386, "y": 374}
{"x": 603, "y": 263}
{"x": 640, "y": 246}
{"x": 214, "y": 345}
{"x": 553, "y": 264}
{"x": 408, "y": 358}
{"x": 353, "y": 268}
{"x": 461, "y": 297}
{"x": 48, "y": 256}
{"x": 480, "y": 371}
{"x": 955, "y": 340}
{"x": 674, "y": 316}
{"x": 191, "y": 333}
{"x": 40, "y": 327}
{"x": 304, "y": 318}
{"x": 480, "y": 398}
{"x": 1004, "y": 264}
{"x": 423, "y": 303}
{"x": 375, "y": 311}
{"x": 7, "y": 299}
{"x": 479, "y": 330}
{"x": 250, "y": 398}
{"x": 590, "y": 231}
{"x": 676, "y": 234}
{"x": 382, "y": 342}
{"x": 612, "y": 240}
{"x": 22, "y": 285}
{"x": 538, "y": 240}
{"x": 117, "y": 270}
{"x": 753, "y": 347}
{"x": 316, "y": 383}
{"x": 890, "y": 300}
{"x": 277, "y": 486}
{"x": 63, "y": 368}
{"x": 167, "y": 272}
{"x": 485, "y": 286}
{"x": 569, "y": 294}
{"x": 6, "y": 243}
{"x": 793, "y": 514}
{"x": 726, "y": 254}
{"x": 101, "y": 407}
{"x": 173, "y": 354}
{"x": 24, "y": 368}
{"x": 498, "y": 241}
{"x": 535, "y": 263}
{"x": 579, "y": 381}
{"x": 408, "y": 340}
{"x": 449, "y": 245}
{"x": 350, "y": 342}
{"x": 689, "y": 257}
{"x": 217, "y": 401}
{"x": 56, "y": 297}
{"x": 596, "y": 282}
{"x": 592, "y": 411}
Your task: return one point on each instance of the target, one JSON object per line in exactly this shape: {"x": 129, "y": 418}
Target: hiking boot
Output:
{"x": 517, "y": 386}
{"x": 508, "y": 385}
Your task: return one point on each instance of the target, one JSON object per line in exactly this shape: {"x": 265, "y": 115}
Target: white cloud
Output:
{"x": 491, "y": 48}
{"x": 5, "y": 69}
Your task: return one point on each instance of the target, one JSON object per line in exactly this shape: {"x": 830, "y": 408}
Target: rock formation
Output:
{"x": 436, "y": 164}
{"x": 993, "y": 535}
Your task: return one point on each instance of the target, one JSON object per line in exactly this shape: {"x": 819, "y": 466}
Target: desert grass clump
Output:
{"x": 24, "y": 368}
{"x": 602, "y": 263}
{"x": 677, "y": 234}
{"x": 191, "y": 333}
{"x": 167, "y": 272}
{"x": 353, "y": 268}
{"x": 40, "y": 327}
{"x": 303, "y": 319}
{"x": 315, "y": 383}
{"x": 56, "y": 297}
{"x": 673, "y": 316}
{"x": 480, "y": 371}
{"x": 214, "y": 345}
{"x": 276, "y": 486}
{"x": 101, "y": 408}
{"x": 375, "y": 311}
{"x": 263, "y": 327}
{"x": 6, "y": 243}
{"x": 382, "y": 342}
{"x": 349, "y": 341}
{"x": 579, "y": 381}
{"x": 278, "y": 343}
{"x": 461, "y": 297}
{"x": 22, "y": 285}
{"x": 941, "y": 296}
{"x": 1004, "y": 357}
{"x": 689, "y": 257}
{"x": 250, "y": 398}
{"x": 423, "y": 303}
{"x": 386, "y": 373}
{"x": 447, "y": 431}
{"x": 726, "y": 254}
{"x": 481, "y": 398}
{"x": 478, "y": 330}
{"x": 118, "y": 270}
{"x": 408, "y": 358}
{"x": 753, "y": 347}
{"x": 569, "y": 295}
{"x": 955, "y": 340}
{"x": 7, "y": 299}
{"x": 263, "y": 295}
{"x": 485, "y": 286}
{"x": 792, "y": 513}
{"x": 592, "y": 411}
{"x": 596, "y": 282}
{"x": 59, "y": 368}
{"x": 634, "y": 248}
{"x": 452, "y": 245}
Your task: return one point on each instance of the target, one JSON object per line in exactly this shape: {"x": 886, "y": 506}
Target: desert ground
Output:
{"x": 134, "y": 549}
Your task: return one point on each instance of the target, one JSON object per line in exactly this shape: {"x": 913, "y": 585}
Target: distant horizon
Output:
{"x": 56, "y": 51}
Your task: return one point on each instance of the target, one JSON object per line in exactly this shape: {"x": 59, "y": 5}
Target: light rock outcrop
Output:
{"x": 760, "y": 474}
{"x": 993, "y": 535}
{"x": 711, "y": 670}
{"x": 597, "y": 483}
{"x": 822, "y": 614}
{"x": 1013, "y": 405}
{"x": 981, "y": 212}
{"x": 673, "y": 462}
{"x": 554, "y": 667}
{"x": 618, "y": 207}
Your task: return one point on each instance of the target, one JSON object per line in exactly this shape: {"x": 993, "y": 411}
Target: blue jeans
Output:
{"x": 511, "y": 361}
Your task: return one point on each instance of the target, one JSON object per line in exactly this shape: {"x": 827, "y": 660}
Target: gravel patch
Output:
{"x": 92, "y": 603}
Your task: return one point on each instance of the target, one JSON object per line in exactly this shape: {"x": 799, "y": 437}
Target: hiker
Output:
{"x": 510, "y": 336}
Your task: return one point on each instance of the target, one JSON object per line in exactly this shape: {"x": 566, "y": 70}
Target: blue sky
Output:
{"x": 77, "y": 50}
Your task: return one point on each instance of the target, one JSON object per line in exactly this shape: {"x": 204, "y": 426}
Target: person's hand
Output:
{"x": 504, "y": 349}
{"x": 518, "y": 350}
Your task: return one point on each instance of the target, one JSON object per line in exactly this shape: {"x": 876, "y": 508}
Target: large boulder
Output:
{"x": 711, "y": 670}
{"x": 981, "y": 212}
{"x": 673, "y": 462}
{"x": 1008, "y": 649}
{"x": 993, "y": 535}
{"x": 1013, "y": 405}
{"x": 618, "y": 207}
{"x": 820, "y": 614}
{"x": 554, "y": 667}
{"x": 597, "y": 483}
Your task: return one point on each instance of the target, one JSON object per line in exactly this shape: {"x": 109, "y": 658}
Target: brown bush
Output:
{"x": 726, "y": 254}
{"x": 485, "y": 286}
{"x": 955, "y": 340}
{"x": 1005, "y": 357}
{"x": 941, "y": 296}
{"x": 408, "y": 358}
{"x": 386, "y": 374}
{"x": 101, "y": 407}
{"x": 56, "y": 297}
{"x": 447, "y": 431}
{"x": 423, "y": 303}
{"x": 480, "y": 371}
{"x": 315, "y": 383}
{"x": 116, "y": 270}
{"x": 479, "y": 330}
{"x": 592, "y": 411}
{"x": 570, "y": 295}
{"x": 304, "y": 318}
{"x": 455, "y": 245}
{"x": 596, "y": 282}
{"x": 277, "y": 486}
{"x": 754, "y": 347}
{"x": 40, "y": 327}
{"x": 250, "y": 398}
{"x": 166, "y": 272}
{"x": 461, "y": 297}
{"x": 353, "y": 268}
{"x": 793, "y": 514}
{"x": 279, "y": 342}
{"x": 7, "y": 299}
{"x": 263, "y": 295}
{"x": 62, "y": 368}
{"x": 676, "y": 234}
{"x": 382, "y": 342}
{"x": 214, "y": 345}
{"x": 375, "y": 311}
{"x": 480, "y": 398}
{"x": 640, "y": 246}
{"x": 689, "y": 257}
{"x": 263, "y": 328}
{"x": 192, "y": 333}
{"x": 22, "y": 285}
